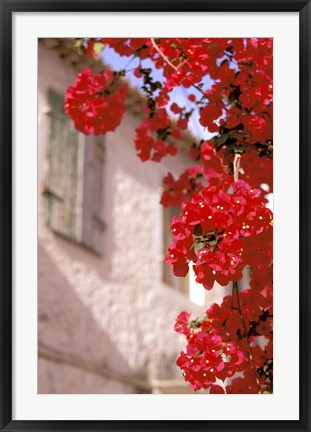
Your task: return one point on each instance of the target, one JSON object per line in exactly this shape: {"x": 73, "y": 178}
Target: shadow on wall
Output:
{"x": 75, "y": 355}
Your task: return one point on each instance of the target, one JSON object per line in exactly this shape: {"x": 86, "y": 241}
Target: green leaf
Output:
{"x": 266, "y": 392}
{"x": 237, "y": 148}
{"x": 198, "y": 231}
{"x": 188, "y": 114}
{"x": 222, "y": 139}
{"x": 213, "y": 242}
{"x": 198, "y": 245}
{"x": 193, "y": 245}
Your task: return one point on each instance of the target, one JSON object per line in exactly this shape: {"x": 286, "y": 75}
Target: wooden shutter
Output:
{"x": 74, "y": 180}
{"x": 61, "y": 183}
{"x": 93, "y": 224}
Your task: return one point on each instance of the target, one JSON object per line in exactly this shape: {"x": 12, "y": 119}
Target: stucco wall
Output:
{"x": 110, "y": 313}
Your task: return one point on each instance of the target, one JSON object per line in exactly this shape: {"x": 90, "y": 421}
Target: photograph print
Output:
{"x": 155, "y": 223}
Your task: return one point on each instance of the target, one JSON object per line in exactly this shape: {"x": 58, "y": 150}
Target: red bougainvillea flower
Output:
{"x": 151, "y": 140}
{"x": 216, "y": 389}
{"x": 95, "y": 103}
{"x": 178, "y": 191}
{"x": 212, "y": 232}
{"x": 218, "y": 348}
{"x": 208, "y": 357}
{"x": 182, "y": 323}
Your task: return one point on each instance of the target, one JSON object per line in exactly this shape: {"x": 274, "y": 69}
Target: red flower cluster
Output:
{"x": 217, "y": 347}
{"x": 208, "y": 358}
{"x": 257, "y": 312}
{"x": 178, "y": 191}
{"x": 95, "y": 103}
{"x": 213, "y": 230}
{"x": 151, "y": 141}
{"x": 257, "y": 170}
{"x": 127, "y": 47}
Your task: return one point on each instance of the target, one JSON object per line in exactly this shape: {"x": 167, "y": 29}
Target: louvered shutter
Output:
{"x": 92, "y": 220}
{"x": 61, "y": 185}
{"x": 74, "y": 180}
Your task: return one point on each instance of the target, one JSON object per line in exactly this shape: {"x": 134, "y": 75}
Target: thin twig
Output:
{"x": 236, "y": 166}
{"x": 200, "y": 90}
{"x": 227, "y": 55}
{"x": 130, "y": 61}
{"x": 250, "y": 354}
{"x": 162, "y": 54}
{"x": 156, "y": 47}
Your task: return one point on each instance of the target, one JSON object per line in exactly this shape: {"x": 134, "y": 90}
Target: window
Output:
{"x": 73, "y": 187}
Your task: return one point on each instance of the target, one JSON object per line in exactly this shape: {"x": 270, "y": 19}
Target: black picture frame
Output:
{"x": 7, "y": 9}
